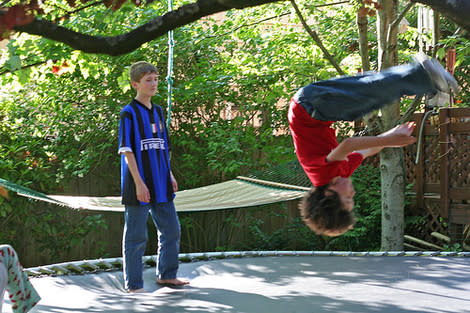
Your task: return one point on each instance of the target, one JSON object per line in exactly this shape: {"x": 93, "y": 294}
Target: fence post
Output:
{"x": 444, "y": 125}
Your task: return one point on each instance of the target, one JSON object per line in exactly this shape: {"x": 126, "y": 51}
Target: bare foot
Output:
{"x": 141, "y": 290}
{"x": 173, "y": 282}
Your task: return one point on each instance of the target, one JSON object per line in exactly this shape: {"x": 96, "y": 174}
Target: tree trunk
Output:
{"x": 391, "y": 159}
{"x": 393, "y": 199}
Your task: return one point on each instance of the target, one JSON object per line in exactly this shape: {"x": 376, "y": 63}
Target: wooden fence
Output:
{"x": 441, "y": 175}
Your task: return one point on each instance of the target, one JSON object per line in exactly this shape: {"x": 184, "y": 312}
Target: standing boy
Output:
{"x": 147, "y": 183}
{"x": 327, "y": 208}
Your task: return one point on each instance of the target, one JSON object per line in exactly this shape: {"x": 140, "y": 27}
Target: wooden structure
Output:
{"x": 440, "y": 172}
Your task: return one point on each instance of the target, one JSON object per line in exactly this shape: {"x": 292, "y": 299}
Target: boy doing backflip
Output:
{"x": 147, "y": 183}
{"x": 327, "y": 208}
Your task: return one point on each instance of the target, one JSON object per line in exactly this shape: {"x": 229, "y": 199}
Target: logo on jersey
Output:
{"x": 155, "y": 128}
{"x": 152, "y": 143}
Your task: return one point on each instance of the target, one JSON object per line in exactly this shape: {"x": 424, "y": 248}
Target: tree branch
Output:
{"x": 330, "y": 4}
{"x": 317, "y": 39}
{"x": 410, "y": 110}
{"x": 125, "y": 43}
{"x": 4, "y": 3}
{"x": 397, "y": 21}
{"x": 242, "y": 26}
{"x": 270, "y": 18}
{"x": 362, "y": 24}
{"x": 84, "y": 7}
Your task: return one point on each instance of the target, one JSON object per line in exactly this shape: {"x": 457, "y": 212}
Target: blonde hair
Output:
{"x": 140, "y": 69}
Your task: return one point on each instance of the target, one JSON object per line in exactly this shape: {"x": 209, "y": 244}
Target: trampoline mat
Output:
{"x": 277, "y": 284}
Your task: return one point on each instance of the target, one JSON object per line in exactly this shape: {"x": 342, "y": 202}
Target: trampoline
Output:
{"x": 273, "y": 282}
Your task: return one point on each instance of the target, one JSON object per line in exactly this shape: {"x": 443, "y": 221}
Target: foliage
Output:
{"x": 451, "y": 38}
{"x": 19, "y": 13}
{"x": 55, "y": 231}
{"x": 461, "y": 46}
{"x": 27, "y": 159}
{"x": 292, "y": 235}
{"x": 415, "y": 225}
{"x": 456, "y": 247}
{"x": 230, "y": 101}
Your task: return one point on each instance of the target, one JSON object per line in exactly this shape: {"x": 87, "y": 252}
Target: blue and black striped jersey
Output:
{"x": 143, "y": 132}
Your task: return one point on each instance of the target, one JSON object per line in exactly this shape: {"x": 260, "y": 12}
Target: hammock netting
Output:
{"x": 290, "y": 173}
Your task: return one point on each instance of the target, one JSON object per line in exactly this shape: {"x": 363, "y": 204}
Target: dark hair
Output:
{"x": 325, "y": 214}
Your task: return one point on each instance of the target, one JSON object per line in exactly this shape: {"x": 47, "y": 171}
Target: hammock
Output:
{"x": 236, "y": 193}
{"x": 280, "y": 183}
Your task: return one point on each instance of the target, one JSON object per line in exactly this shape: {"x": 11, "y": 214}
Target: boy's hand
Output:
{"x": 142, "y": 192}
{"x": 174, "y": 182}
{"x": 400, "y": 135}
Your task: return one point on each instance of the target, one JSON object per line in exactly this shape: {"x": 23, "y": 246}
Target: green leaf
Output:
{"x": 441, "y": 53}
{"x": 123, "y": 81}
{"x": 14, "y": 63}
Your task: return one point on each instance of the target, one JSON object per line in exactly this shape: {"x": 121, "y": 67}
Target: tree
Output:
{"x": 47, "y": 20}
{"x": 392, "y": 169}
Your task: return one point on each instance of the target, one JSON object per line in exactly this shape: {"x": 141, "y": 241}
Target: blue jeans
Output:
{"x": 351, "y": 97}
{"x": 135, "y": 238}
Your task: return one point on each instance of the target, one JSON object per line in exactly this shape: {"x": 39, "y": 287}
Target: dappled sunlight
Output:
{"x": 275, "y": 284}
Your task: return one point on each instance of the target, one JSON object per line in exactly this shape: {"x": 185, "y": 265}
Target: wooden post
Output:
{"x": 444, "y": 122}
{"x": 450, "y": 66}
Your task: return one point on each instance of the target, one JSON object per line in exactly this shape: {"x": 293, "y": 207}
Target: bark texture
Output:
{"x": 393, "y": 199}
{"x": 362, "y": 24}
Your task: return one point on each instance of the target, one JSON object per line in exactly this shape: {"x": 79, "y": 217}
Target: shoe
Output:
{"x": 454, "y": 87}
{"x": 442, "y": 79}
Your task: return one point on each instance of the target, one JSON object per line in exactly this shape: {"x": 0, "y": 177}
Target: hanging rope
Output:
{"x": 434, "y": 111}
{"x": 169, "y": 77}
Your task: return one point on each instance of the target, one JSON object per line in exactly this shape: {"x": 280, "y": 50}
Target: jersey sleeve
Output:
{"x": 354, "y": 160}
{"x": 125, "y": 133}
